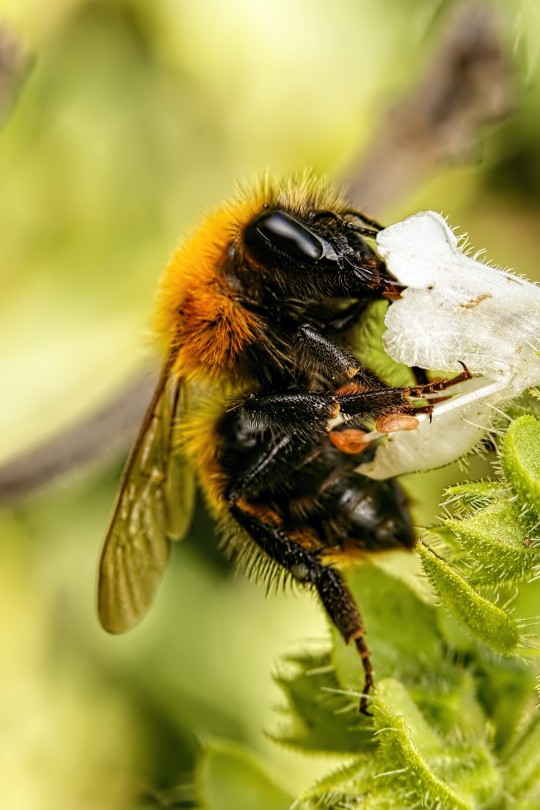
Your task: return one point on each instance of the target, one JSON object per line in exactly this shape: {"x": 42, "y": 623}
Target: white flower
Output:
{"x": 455, "y": 308}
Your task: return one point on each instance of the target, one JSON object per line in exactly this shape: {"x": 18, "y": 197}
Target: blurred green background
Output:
{"x": 136, "y": 117}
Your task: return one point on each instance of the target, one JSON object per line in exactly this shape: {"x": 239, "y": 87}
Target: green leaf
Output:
{"x": 504, "y": 687}
{"x": 319, "y": 716}
{"x": 229, "y": 777}
{"x": 367, "y": 339}
{"x": 405, "y": 642}
{"x": 472, "y": 496}
{"x": 339, "y": 785}
{"x": 452, "y": 776}
{"x": 495, "y": 544}
{"x": 401, "y": 631}
{"x": 482, "y": 618}
{"x": 522, "y": 763}
{"x": 411, "y": 763}
{"x": 520, "y": 462}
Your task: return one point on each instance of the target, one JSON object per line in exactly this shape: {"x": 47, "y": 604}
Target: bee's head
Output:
{"x": 320, "y": 252}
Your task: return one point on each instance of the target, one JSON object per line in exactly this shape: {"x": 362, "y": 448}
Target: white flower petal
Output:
{"x": 455, "y": 310}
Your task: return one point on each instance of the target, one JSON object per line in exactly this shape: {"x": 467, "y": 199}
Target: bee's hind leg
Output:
{"x": 307, "y": 569}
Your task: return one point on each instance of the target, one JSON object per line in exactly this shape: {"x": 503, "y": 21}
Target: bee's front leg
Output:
{"x": 314, "y": 352}
{"x": 358, "y": 401}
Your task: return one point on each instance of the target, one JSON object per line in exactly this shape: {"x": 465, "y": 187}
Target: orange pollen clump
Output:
{"x": 349, "y": 441}
{"x": 393, "y": 422}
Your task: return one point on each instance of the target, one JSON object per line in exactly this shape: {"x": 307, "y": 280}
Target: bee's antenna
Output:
{"x": 371, "y": 232}
{"x": 352, "y": 212}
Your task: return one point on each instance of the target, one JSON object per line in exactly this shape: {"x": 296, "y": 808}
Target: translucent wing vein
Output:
{"x": 153, "y": 506}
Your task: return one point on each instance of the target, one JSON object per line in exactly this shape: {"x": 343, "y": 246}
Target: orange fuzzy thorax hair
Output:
{"x": 197, "y": 316}
{"x": 196, "y": 313}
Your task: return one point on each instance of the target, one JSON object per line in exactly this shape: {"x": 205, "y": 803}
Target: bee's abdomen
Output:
{"x": 314, "y": 489}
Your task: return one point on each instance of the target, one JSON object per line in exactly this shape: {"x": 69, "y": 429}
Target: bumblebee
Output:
{"x": 255, "y": 313}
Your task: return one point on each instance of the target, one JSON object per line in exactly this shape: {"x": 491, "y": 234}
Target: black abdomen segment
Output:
{"x": 314, "y": 486}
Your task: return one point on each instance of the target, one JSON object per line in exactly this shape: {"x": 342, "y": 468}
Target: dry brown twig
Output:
{"x": 465, "y": 87}
{"x": 106, "y": 432}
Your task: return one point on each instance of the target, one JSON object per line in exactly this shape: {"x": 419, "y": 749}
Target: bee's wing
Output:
{"x": 154, "y": 505}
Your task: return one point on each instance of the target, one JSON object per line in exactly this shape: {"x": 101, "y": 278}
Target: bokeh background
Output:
{"x": 135, "y": 117}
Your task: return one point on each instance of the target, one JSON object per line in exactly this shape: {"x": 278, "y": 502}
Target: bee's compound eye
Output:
{"x": 276, "y": 232}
